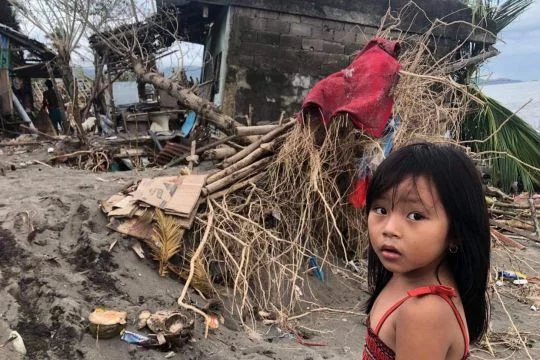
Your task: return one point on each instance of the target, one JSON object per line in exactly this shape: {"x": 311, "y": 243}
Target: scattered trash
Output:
{"x": 134, "y": 338}
{"x": 113, "y": 245}
{"x": 16, "y": 341}
{"x": 298, "y": 291}
{"x": 212, "y": 322}
{"x": 170, "y": 355}
{"x": 354, "y": 265}
{"x": 534, "y": 308}
{"x": 214, "y": 309}
{"x": 286, "y": 334}
{"x": 511, "y": 275}
{"x": 106, "y": 324}
{"x": 138, "y": 249}
{"x": 170, "y": 328}
{"x": 143, "y": 317}
{"x": 314, "y": 268}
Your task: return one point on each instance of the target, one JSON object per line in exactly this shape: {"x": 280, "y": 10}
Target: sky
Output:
{"x": 519, "y": 58}
{"x": 519, "y": 47}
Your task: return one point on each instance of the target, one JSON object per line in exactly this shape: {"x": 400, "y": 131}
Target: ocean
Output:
{"x": 515, "y": 95}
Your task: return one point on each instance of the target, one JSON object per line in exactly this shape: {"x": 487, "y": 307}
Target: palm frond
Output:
{"x": 496, "y": 15}
{"x": 166, "y": 240}
{"x": 505, "y": 13}
{"x": 200, "y": 280}
{"x": 510, "y": 145}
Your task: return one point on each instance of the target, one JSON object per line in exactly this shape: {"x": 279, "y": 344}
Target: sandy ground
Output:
{"x": 49, "y": 285}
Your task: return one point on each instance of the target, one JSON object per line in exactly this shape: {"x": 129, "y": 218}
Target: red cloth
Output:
{"x": 363, "y": 89}
{"x": 358, "y": 197}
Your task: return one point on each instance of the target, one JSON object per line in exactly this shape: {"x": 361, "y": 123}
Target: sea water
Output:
{"x": 515, "y": 95}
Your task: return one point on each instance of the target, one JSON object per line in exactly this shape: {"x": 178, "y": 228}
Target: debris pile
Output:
{"x": 514, "y": 215}
{"x": 284, "y": 211}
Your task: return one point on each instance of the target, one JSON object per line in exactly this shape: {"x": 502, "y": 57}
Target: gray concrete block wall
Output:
{"x": 286, "y": 38}
{"x": 279, "y": 57}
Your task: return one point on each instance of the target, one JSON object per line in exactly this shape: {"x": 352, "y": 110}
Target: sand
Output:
{"x": 51, "y": 282}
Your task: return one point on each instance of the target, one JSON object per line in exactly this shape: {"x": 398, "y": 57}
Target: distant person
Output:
{"x": 52, "y": 102}
{"x": 428, "y": 258}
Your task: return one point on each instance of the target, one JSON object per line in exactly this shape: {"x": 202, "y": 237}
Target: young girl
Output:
{"x": 428, "y": 257}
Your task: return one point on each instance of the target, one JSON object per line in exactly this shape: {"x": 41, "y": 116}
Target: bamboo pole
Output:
{"x": 199, "y": 151}
{"x": 250, "y": 159}
{"x": 514, "y": 230}
{"x": 211, "y": 188}
{"x": 192, "y": 153}
{"x": 534, "y": 218}
{"x": 517, "y": 224}
{"x": 255, "y": 130}
{"x": 219, "y": 154}
{"x": 237, "y": 186}
{"x": 249, "y": 149}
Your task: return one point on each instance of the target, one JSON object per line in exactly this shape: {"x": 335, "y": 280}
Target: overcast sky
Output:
{"x": 519, "y": 58}
{"x": 520, "y": 52}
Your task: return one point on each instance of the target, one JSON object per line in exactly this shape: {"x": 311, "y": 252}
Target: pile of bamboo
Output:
{"x": 515, "y": 216}
{"x": 247, "y": 165}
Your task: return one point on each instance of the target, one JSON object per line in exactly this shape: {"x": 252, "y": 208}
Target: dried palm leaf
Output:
{"x": 200, "y": 280}
{"x": 166, "y": 239}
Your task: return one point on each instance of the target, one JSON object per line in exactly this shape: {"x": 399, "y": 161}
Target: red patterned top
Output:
{"x": 376, "y": 349}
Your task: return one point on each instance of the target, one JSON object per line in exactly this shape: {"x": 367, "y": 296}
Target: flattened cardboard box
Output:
{"x": 176, "y": 195}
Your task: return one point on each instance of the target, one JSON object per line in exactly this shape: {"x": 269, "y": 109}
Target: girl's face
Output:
{"x": 408, "y": 230}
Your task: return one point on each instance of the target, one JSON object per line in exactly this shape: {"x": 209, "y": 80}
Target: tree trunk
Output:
{"x": 203, "y": 107}
{"x": 71, "y": 88}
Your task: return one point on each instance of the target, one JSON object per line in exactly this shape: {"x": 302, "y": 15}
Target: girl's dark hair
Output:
{"x": 459, "y": 186}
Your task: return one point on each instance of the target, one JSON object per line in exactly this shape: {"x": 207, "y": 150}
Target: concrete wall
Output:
{"x": 275, "y": 59}
{"x": 278, "y": 49}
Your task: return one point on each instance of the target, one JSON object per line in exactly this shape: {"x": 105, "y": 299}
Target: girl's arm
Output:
{"x": 424, "y": 329}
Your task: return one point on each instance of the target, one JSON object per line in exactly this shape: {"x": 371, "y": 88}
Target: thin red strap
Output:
{"x": 444, "y": 292}
{"x": 388, "y": 313}
{"x": 460, "y": 322}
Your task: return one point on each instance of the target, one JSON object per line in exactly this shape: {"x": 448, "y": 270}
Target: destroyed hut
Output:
{"x": 22, "y": 59}
{"x": 262, "y": 57}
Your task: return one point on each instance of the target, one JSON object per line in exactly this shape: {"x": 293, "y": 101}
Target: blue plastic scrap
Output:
{"x": 313, "y": 266}
{"x": 188, "y": 124}
{"x": 134, "y": 338}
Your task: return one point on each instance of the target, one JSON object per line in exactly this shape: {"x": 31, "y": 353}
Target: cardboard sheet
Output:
{"x": 125, "y": 207}
{"x": 107, "y": 205}
{"x": 132, "y": 227}
{"x": 177, "y": 195}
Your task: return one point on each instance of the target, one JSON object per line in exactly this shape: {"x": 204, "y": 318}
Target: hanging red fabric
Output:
{"x": 363, "y": 89}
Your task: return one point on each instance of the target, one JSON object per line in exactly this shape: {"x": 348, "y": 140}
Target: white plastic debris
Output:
{"x": 17, "y": 342}
{"x": 520, "y": 282}
{"x": 534, "y": 308}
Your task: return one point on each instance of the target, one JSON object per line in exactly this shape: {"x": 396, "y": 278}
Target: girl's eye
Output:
{"x": 379, "y": 210}
{"x": 415, "y": 216}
